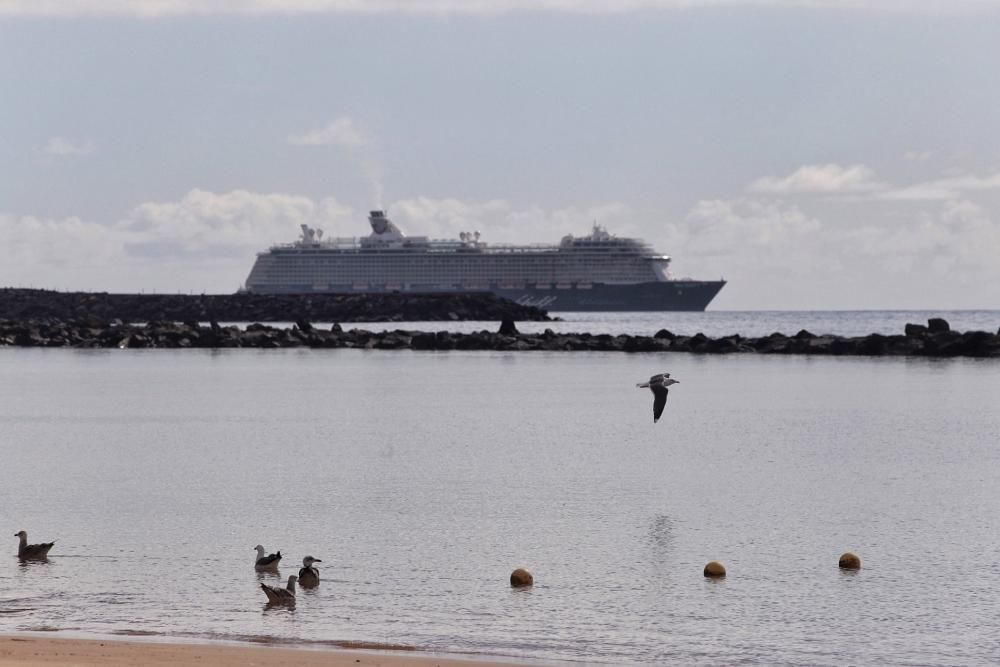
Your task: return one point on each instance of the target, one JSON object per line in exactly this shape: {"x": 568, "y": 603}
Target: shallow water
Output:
{"x": 422, "y": 479}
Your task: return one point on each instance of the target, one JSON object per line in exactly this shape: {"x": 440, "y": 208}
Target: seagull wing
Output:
{"x": 36, "y": 550}
{"x": 270, "y": 592}
{"x": 275, "y": 594}
{"x": 270, "y": 559}
{"x": 659, "y": 400}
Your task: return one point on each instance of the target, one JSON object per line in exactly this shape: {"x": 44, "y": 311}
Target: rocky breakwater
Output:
{"x": 932, "y": 340}
{"x": 30, "y": 304}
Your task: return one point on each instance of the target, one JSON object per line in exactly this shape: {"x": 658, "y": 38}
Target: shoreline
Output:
{"x": 935, "y": 339}
{"x": 35, "y": 649}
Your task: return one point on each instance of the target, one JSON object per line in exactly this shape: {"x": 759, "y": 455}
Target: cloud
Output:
{"x": 207, "y": 241}
{"x": 776, "y": 255}
{"x": 344, "y": 133}
{"x": 959, "y": 242}
{"x": 339, "y": 132}
{"x": 820, "y": 179}
{"x": 759, "y": 228}
{"x": 166, "y": 8}
{"x": 500, "y": 222}
{"x": 204, "y": 241}
{"x": 61, "y": 146}
{"x": 952, "y": 187}
{"x": 858, "y": 181}
{"x": 234, "y": 224}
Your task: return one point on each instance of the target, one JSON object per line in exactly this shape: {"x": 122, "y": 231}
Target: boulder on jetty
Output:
{"x": 507, "y": 327}
{"x": 86, "y": 332}
{"x": 937, "y": 325}
{"x": 520, "y": 578}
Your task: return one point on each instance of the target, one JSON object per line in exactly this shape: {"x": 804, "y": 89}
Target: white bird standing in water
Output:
{"x": 277, "y": 595}
{"x": 309, "y": 575}
{"x": 658, "y": 385}
{"x": 268, "y": 563}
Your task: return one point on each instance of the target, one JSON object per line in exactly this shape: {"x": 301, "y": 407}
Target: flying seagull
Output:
{"x": 658, "y": 385}
{"x": 27, "y": 551}
{"x": 277, "y": 595}
{"x": 309, "y": 575}
{"x": 267, "y": 563}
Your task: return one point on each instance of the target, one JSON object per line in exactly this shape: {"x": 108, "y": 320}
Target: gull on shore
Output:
{"x": 268, "y": 563}
{"x": 27, "y": 551}
{"x": 277, "y": 595}
{"x": 658, "y": 385}
{"x": 309, "y": 575}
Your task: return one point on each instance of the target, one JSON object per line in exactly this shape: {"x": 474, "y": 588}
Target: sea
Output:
{"x": 422, "y": 479}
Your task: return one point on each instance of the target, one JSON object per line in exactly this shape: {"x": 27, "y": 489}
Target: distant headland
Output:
{"x": 35, "y": 304}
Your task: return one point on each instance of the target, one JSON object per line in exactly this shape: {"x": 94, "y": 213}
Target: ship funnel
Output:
{"x": 382, "y": 227}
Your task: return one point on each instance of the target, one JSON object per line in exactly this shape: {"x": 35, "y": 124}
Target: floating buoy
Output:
{"x": 520, "y": 578}
{"x": 715, "y": 569}
{"x": 850, "y": 561}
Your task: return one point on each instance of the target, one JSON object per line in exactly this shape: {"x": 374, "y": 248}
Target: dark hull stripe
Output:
{"x": 690, "y": 295}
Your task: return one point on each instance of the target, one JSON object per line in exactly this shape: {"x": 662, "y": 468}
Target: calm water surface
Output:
{"x": 423, "y": 479}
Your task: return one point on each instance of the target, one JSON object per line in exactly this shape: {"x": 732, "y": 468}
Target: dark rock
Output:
{"x": 724, "y": 345}
{"x": 803, "y": 334}
{"x": 979, "y": 344}
{"x": 663, "y": 333}
{"x": 874, "y": 344}
{"x": 915, "y": 329}
{"x": 944, "y": 344}
{"x": 303, "y": 325}
{"x": 81, "y": 332}
{"x": 507, "y": 327}
{"x": 938, "y": 325}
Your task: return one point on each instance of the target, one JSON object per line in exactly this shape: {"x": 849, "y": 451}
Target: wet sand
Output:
{"x": 32, "y": 650}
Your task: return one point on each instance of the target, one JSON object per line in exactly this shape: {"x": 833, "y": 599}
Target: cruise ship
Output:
{"x": 597, "y": 272}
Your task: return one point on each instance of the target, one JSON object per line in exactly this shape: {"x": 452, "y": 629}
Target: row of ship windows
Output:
{"x": 362, "y": 277}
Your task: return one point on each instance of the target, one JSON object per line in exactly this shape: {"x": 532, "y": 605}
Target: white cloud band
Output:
{"x": 162, "y": 8}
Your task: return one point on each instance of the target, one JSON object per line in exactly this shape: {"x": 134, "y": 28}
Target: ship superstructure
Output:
{"x": 599, "y": 271}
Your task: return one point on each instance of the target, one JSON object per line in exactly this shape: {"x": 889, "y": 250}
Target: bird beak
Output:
{"x": 317, "y": 560}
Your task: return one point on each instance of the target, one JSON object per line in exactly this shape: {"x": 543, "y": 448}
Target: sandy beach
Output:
{"x": 30, "y": 650}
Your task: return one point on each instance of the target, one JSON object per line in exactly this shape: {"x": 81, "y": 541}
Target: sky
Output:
{"x": 815, "y": 154}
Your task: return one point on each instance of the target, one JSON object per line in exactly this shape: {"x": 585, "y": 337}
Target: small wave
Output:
{"x": 352, "y": 644}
